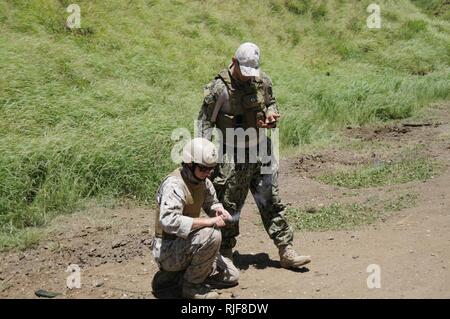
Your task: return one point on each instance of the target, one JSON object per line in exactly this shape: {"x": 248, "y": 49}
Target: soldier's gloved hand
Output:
{"x": 222, "y": 212}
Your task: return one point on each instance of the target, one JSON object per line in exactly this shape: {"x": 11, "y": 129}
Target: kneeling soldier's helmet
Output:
{"x": 200, "y": 151}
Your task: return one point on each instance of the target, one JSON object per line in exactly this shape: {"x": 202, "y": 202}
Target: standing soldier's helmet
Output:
{"x": 200, "y": 151}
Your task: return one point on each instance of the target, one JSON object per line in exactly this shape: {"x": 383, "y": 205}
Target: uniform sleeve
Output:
{"x": 211, "y": 93}
{"x": 271, "y": 103}
{"x": 211, "y": 202}
{"x": 172, "y": 199}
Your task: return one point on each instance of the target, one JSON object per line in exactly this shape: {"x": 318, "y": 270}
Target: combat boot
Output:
{"x": 290, "y": 259}
{"x": 198, "y": 291}
{"x": 219, "y": 282}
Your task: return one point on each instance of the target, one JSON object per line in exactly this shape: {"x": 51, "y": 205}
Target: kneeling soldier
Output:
{"x": 184, "y": 241}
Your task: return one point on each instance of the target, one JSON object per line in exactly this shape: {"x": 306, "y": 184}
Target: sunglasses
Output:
{"x": 205, "y": 169}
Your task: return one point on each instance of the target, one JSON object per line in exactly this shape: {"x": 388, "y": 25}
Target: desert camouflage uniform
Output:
{"x": 232, "y": 180}
{"x": 180, "y": 249}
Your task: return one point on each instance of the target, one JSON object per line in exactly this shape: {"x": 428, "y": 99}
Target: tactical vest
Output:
{"x": 195, "y": 197}
{"x": 243, "y": 106}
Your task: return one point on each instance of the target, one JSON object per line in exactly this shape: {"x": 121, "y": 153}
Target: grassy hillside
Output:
{"x": 89, "y": 113}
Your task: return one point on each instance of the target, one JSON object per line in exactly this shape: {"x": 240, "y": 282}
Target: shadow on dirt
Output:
{"x": 259, "y": 261}
{"x": 168, "y": 285}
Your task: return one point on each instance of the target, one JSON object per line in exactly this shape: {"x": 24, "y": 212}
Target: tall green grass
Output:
{"x": 89, "y": 113}
{"x": 440, "y": 8}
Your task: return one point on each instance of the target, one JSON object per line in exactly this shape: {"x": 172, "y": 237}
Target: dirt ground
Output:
{"x": 411, "y": 246}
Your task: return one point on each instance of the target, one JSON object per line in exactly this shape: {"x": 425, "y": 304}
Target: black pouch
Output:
{"x": 239, "y": 121}
{"x": 250, "y": 102}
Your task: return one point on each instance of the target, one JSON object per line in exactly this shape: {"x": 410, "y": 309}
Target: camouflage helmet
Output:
{"x": 200, "y": 151}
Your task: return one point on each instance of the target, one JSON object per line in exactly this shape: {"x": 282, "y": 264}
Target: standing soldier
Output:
{"x": 185, "y": 242}
{"x": 240, "y": 98}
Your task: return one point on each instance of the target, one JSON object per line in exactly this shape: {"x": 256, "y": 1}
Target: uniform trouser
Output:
{"x": 198, "y": 256}
{"x": 232, "y": 181}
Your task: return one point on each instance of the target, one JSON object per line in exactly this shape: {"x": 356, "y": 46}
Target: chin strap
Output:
{"x": 191, "y": 170}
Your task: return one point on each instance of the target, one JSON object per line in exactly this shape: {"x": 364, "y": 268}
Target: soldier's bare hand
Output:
{"x": 272, "y": 117}
{"x": 270, "y": 121}
{"x": 218, "y": 221}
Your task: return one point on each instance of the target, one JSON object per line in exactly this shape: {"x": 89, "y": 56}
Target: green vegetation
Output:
{"x": 399, "y": 203}
{"x": 380, "y": 174}
{"x": 334, "y": 217}
{"x": 346, "y": 216}
{"x": 89, "y": 113}
{"x": 439, "y": 8}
